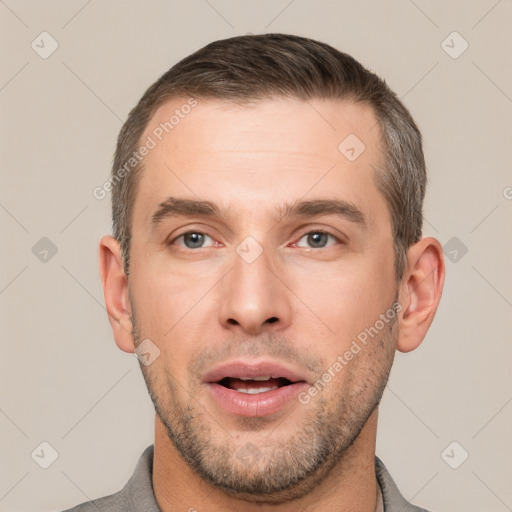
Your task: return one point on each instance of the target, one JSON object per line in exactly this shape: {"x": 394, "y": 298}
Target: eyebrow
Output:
{"x": 179, "y": 207}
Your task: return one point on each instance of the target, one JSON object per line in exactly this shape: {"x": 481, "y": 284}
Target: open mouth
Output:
{"x": 254, "y": 388}
{"x": 254, "y": 385}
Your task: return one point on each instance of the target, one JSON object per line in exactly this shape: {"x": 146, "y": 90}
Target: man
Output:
{"x": 267, "y": 262}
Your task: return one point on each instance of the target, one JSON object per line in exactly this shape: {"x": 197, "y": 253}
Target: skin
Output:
{"x": 206, "y": 305}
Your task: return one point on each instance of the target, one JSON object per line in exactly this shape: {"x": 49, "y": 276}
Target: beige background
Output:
{"x": 64, "y": 381}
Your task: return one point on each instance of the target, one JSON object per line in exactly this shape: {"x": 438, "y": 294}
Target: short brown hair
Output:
{"x": 257, "y": 67}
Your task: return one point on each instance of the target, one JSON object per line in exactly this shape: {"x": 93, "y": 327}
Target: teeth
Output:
{"x": 254, "y": 391}
{"x": 265, "y": 377}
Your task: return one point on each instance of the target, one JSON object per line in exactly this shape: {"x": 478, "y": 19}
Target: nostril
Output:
{"x": 270, "y": 320}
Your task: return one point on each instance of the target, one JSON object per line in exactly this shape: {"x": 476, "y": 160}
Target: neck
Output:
{"x": 350, "y": 485}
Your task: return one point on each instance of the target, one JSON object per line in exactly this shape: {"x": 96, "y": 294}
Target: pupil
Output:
{"x": 193, "y": 240}
{"x": 318, "y": 239}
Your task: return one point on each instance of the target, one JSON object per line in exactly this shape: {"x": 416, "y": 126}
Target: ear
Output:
{"x": 115, "y": 290}
{"x": 420, "y": 292}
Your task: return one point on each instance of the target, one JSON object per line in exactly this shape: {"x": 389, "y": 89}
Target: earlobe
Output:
{"x": 420, "y": 292}
{"x": 115, "y": 290}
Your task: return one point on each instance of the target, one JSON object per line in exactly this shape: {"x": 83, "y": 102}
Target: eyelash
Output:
{"x": 319, "y": 231}
{"x": 315, "y": 231}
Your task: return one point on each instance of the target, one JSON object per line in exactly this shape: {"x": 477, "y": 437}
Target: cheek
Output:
{"x": 345, "y": 301}
{"x": 165, "y": 292}
{"x": 174, "y": 309}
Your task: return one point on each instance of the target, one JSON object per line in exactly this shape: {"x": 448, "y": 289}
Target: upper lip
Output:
{"x": 250, "y": 369}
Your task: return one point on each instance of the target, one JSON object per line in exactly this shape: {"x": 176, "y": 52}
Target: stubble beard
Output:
{"x": 275, "y": 468}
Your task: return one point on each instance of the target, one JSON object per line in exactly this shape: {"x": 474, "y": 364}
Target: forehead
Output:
{"x": 263, "y": 154}
{"x": 219, "y": 124}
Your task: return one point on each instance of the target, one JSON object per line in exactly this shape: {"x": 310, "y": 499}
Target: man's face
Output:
{"x": 264, "y": 280}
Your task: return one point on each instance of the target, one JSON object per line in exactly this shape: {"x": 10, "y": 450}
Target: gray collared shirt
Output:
{"x": 138, "y": 496}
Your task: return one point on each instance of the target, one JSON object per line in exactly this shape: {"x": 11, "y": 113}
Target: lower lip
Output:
{"x": 254, "y": 405}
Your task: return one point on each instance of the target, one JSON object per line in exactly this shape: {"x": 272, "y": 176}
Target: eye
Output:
{"x": 316, "y": 239}
{"x": 193, "y": 239}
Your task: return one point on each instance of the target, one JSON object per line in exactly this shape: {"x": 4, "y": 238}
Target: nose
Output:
{"x": 253, "y": 298}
